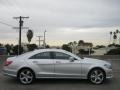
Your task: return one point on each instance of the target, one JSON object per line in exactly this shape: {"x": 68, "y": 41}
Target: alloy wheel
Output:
{"x": 26, "y": 76}
{"x": 97, "y": 76}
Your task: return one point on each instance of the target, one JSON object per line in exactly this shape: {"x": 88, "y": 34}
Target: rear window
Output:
{"x": 43, "y": 55}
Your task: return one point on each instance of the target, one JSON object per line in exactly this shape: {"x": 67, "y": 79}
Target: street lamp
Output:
{"x": 44, "y": 39}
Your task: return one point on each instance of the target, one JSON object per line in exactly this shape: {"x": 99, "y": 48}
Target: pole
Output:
{"x": 20, "y": 27}
{"x": 39, "y": 39}
{"x": 44, "y": 39}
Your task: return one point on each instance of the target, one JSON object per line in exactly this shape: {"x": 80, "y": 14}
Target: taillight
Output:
{"x": 6, "y": 63}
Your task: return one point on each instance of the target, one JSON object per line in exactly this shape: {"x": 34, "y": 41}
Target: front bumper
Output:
{"x": 109, "y": 73}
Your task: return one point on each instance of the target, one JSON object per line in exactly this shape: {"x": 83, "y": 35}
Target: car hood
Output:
{"x": 98, "y": 61}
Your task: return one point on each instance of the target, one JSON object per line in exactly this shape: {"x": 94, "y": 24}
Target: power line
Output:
{"x": 17, "y": 4}
{"x": 16, "y": 10}
{"x": 9, "y": 9}
{"x": 6, "y": 24}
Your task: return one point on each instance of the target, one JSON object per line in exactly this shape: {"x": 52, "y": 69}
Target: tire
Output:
{"x": 96, "y": 76}
{"x": 26, "y": 76}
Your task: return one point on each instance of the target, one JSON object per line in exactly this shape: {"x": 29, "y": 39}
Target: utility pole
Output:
{"x": 44, "y": 43}
{"x": 20, "y": 27}
{"x": 39, "y": 40}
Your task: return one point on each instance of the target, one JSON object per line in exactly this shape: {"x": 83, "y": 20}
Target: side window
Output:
{"x": 59, "y": 55}
{"x": 43, "y": 55}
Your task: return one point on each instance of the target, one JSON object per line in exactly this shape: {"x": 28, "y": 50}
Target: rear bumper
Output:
{"x": 9, "y": 73}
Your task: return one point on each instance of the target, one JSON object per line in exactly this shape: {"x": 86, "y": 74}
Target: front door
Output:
{"x": 64, "y": 67}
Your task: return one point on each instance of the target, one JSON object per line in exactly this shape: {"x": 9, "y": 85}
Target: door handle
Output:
{"x": 58, "y": 62}
{"x": 36, "y": 62}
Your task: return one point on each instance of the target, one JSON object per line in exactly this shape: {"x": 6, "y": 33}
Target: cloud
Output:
{"x": 68, "y": 13}
{"x": 62, "y": 17}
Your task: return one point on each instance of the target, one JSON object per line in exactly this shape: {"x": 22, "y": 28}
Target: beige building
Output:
{"x": 81, "y": 45}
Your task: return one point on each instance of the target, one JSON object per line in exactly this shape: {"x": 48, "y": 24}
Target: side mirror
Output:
{"x": 71, "y": 59}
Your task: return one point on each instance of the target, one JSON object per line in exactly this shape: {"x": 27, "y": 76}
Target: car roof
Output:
{"x": 42, "y": 50}
{"x": 28, "y": 54}
{"x": 38, "y": 51}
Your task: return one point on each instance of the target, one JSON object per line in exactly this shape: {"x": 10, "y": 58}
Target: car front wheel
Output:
{"x": 26, "y": 76}
{"x": 97, "y": 76}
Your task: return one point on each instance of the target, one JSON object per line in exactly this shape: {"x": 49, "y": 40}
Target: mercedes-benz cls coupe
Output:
{"x": 56, "y": 63}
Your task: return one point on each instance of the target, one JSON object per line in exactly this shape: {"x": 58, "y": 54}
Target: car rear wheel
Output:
{"x": 26, "y": 76}
{"x": 97, "y": 76}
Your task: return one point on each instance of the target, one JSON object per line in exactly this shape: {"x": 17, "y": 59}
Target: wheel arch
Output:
{"x": 26, "y": 68}
{"x": 94, "y": 69}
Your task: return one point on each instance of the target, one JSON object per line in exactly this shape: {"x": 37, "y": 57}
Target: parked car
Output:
{"x": 2, "y": 50}
{"x": 56, "y": 63}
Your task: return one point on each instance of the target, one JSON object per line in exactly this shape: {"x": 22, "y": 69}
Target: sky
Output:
{"x": 64, "y": 20}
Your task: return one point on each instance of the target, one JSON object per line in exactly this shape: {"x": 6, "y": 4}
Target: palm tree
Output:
{"x": 119, "y": 37}
{"x": 114, "y": 38}
{"x": 117, "y": 32}
{"x": 110, "y": 37}
{"x": 29, "y": 35}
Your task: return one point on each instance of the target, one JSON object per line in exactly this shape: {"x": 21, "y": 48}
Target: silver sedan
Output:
{"x": 56, "y": 63}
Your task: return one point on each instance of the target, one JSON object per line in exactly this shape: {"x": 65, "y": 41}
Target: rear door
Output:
{"x": 44, "y": 62}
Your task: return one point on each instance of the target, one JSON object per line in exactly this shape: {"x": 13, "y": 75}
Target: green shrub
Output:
{"x": 114, "y": 52}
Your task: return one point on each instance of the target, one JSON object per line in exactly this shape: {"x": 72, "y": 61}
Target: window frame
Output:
{"x": 54, "y": 55}
{"x": 41, "y": 53}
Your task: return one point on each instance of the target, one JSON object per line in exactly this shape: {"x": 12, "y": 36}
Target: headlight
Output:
{"x": 108, "y": 66}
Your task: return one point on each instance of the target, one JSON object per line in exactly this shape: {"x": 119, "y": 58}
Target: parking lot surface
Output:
{"x": 7, "y": 83}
